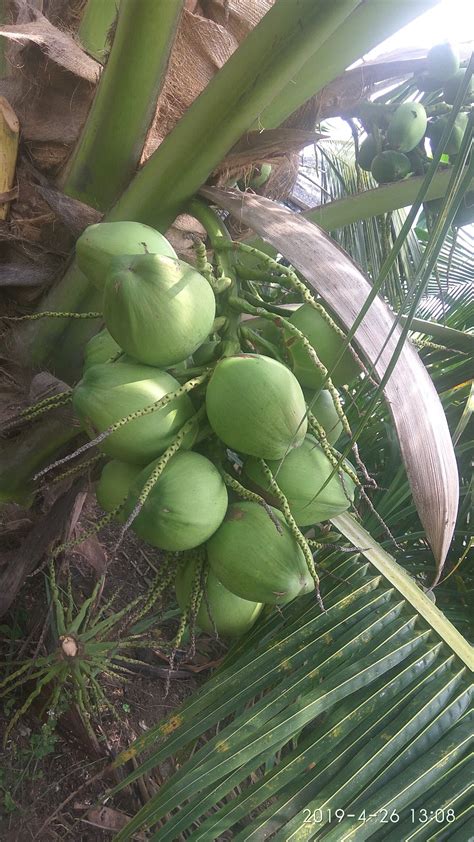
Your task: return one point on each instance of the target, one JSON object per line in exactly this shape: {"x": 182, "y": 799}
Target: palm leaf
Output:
{"x": 368, "y": 241}
{"x": 363, "y": 704}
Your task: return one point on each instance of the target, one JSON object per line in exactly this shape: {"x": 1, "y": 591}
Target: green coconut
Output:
{"x": 99, "y": 244}
{"x": 102, "y": 348}
{"x": 230, "y": 616}
{"x": 451, "y": 88}
{"x": 186, "y": 505}
{"x": 110, "y": 391}
{"x": 407, "y": 127}
{"x": 367, "y": 152}
{"x": 158, "y": 309}
{"x": 302, "y": 477}
{"x": 256, "y": 561}
{"x": 325, "y": 412}
{"x": 437, "y": 127}
{"x": 442, "y": 62}
{"x": 390, "y": 166}
{"x": 114, "y": 484}
{"x": 326, "y": 342}
{"x": 255, "y": 405}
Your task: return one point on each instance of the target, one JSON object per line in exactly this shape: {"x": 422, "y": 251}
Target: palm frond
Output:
{"x": 364, "y": 705}
{"x": 329, "y": 172}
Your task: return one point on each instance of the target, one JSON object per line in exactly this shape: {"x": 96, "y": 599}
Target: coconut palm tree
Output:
{"x": 354, "y": 720}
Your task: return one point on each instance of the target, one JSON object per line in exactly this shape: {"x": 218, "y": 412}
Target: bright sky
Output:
{"x": 449, "y": 20}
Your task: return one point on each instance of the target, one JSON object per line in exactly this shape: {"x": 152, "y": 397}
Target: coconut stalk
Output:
{"x": 368, "y": 25}
{"x": 94, "y": 31}
{"x": 380, "y": 200}
{"x": 265, "y": 62}
{"x": 111, "y": 143}
{"x": 271, "y": 56}
{"x": 268, "y": 61}
{"x": 9, "y": 137}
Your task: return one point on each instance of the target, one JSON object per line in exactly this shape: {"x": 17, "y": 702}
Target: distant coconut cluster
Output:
{"x": 394, "y": 145}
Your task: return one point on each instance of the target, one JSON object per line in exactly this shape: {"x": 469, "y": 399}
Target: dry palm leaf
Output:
{"x": 419, "y": 419}
{"x": 57, "y": 46}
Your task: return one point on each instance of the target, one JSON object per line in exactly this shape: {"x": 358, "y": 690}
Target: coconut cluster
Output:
{"x": 394, "y": 144}
{"x": 192, "y": 439}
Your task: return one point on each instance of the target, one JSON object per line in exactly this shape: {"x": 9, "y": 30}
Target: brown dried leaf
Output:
{"x": 75, "y": 215}
{"x": 418, "y": 415}
{"x": 182, "y": 233}
{"x": 110, "y": 820}
{"x": 9, "y": 195}
{"x": 23, "y": 275}
{"x": 56, "y": 45}
{"x": 256, "y": 146}
{"x": 76, "y": 512}
{"x": 21, "y": 562}
{"x": 92, "y": 552}
{"x": 14, "y": 520}
{"x": 45, "y": 385}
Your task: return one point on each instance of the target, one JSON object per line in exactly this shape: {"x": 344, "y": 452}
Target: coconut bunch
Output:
{"x": 394, "y": 144}
{"x": 218, "y": 434}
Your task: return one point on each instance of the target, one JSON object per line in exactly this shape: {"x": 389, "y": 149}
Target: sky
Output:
{"x": 449, "y": 20}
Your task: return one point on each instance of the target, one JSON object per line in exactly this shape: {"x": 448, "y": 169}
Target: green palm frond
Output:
{"x": 333, "y": 175}
{"x": 362, "y": 707}
{"x": 393, "y": 502}
{"x": 368, "y": 241}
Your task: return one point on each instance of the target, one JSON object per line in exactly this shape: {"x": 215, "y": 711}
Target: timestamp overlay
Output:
{"x": 398, "y": 825}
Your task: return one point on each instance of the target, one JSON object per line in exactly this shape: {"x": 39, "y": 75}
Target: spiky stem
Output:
{"x": 293, "y": 526}
{"x": 77, "y": 469}
{"x": 158, "y": 470}
{"x": 52, "y": 314}
{"x": 162, "y": 580}
{"x": 251, "y": 497}
{"x": 30, "y": 413}
{"x": 139, "y": 413}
